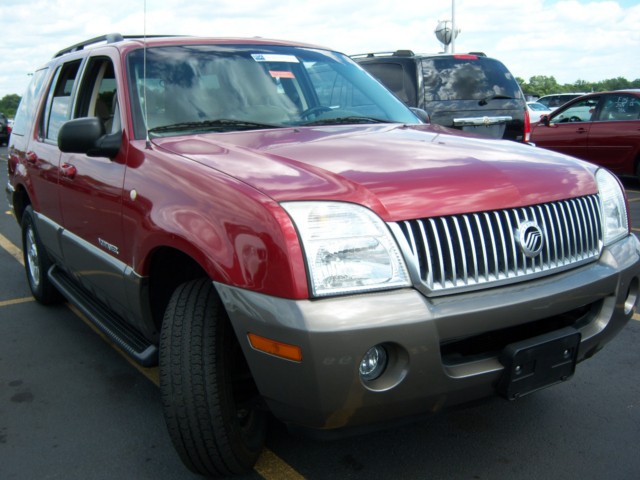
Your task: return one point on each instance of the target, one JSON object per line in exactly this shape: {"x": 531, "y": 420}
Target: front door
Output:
{"x": 90, "y": 194}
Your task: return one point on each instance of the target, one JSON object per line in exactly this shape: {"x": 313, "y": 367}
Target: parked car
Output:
{"x": 470, "y": 92}
{"x": 603, "y": 128}
{"x": 5, "y": 129}
{"x": 284, "y": 236}
{"x": 537, "y": 111}
{"x": 556, "y": 100}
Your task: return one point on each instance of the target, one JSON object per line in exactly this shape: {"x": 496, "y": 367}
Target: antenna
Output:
{"x": 144, "y": 76}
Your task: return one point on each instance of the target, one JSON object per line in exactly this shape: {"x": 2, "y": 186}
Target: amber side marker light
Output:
{"x": 273, "y": 347}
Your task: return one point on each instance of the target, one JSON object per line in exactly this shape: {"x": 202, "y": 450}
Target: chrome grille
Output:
{"x": 482, "y": 249}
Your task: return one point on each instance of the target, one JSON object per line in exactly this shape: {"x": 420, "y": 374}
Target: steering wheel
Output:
{"x": 575, "y": 119}
{"x": 314, "y": 111}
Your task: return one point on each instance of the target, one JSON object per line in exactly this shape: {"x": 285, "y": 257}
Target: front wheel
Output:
{"x": 210, "y": 401}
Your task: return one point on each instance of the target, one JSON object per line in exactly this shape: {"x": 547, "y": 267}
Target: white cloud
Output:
{"x": 569, "y": 39}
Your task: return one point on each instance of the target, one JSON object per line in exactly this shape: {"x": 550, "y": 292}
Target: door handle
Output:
{"x": 68, "y": 171}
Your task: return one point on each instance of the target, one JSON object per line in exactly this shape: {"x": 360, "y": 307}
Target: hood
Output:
{"x": 399, "y": 171}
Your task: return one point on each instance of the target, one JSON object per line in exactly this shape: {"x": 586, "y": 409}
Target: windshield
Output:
{"x": 190, "y": 89}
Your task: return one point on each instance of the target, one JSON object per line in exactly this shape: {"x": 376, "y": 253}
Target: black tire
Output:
{"x": 209, "y": 397}
{"x": 37, "y": 262}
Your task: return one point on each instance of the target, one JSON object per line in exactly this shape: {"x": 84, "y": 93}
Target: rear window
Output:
{"x": 467, "y": 78}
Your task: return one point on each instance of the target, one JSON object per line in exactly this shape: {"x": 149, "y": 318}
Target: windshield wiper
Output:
{"x": 347, "y": 120}
{"x": 485, "y": 100}
{"x": 223, "y": 124}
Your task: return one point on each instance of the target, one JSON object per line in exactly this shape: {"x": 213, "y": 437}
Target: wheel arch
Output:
{"x": 20, "y": 200}
{"x": 168, "y": 268}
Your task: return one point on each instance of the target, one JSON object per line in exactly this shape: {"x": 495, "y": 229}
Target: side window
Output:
{"x": 620, "y": 107}
{"x": 396, "y": 78}
{"x": 58, "y": 105}
{"x": 582, "y": 111}
{"x": 97, "y": 96}
{"x": 554, "y": 101}
{"x": 29, "y": 103}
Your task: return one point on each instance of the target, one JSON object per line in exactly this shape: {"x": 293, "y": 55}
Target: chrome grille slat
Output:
{"x": 473, "y": 248}
{"x": 482, "y": 249}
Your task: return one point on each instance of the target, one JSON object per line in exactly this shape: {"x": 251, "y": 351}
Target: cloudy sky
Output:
{"x": 589, "y": 40}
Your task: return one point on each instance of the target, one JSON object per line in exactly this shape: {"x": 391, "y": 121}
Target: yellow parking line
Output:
{"x": 151, "y": 373}
{"x": 636, "y": 199}
{"x": 636, "y": 316}
{"x": 269, "y": 465}
{"x": 16, "y": 301}
{"x": 14, "y": 251}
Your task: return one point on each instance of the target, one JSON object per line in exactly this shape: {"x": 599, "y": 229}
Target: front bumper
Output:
{"x": 427, "y": 371}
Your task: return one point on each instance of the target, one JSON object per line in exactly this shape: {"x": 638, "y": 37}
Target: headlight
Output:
{"x": 348, "y": 248}
{"x": 615, "y": 223}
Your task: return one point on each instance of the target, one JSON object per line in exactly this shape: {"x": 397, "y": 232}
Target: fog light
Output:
{"x": 373, "y": 363}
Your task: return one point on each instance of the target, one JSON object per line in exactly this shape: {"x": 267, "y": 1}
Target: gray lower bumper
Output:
{"x": 324, "y": 390}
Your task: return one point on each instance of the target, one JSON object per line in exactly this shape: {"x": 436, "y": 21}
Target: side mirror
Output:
{"x": 86, "y": 135}
{"x": 421, "y": 114}
{"x": 544, "y": 120}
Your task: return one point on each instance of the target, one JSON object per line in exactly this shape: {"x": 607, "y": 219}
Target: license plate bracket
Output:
{"x": 538, "y": 362}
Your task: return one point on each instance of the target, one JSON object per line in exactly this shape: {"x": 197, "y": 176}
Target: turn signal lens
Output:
{"x": 273, "y": 347}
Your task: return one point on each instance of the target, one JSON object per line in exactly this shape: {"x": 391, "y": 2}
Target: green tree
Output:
{"x": 9, "y": 104}
{"x": 540, "y": 85}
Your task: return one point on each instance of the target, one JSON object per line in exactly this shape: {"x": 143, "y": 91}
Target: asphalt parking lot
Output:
{"x": 72, "y": 407}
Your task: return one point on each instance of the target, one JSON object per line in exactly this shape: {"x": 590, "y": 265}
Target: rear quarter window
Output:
{"x": 29, "y": 103}
{"x": 396, "y": 78}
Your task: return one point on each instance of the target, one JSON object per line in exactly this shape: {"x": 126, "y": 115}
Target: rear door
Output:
{"x": 42, "y": 156}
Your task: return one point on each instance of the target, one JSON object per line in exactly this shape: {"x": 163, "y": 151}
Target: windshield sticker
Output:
{"x": 281, "y": 74}
{"x": 274, "y": 57}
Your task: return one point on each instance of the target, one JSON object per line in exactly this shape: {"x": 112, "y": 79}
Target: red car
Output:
{"x": 603, "y": 128}
{"x": 284, "y": 236}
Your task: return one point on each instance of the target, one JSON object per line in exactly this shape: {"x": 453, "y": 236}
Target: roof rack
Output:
{"x": 109, "y": 38}
{"x": 409, "y": 53}
{"x": 397, "y": 53}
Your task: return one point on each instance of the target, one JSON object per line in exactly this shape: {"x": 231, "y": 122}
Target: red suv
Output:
{"x": 283, "y": 235}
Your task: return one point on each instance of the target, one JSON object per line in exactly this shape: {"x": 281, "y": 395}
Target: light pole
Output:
{"x": 454, "y": 34}
{"x": 446, "y": 31}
